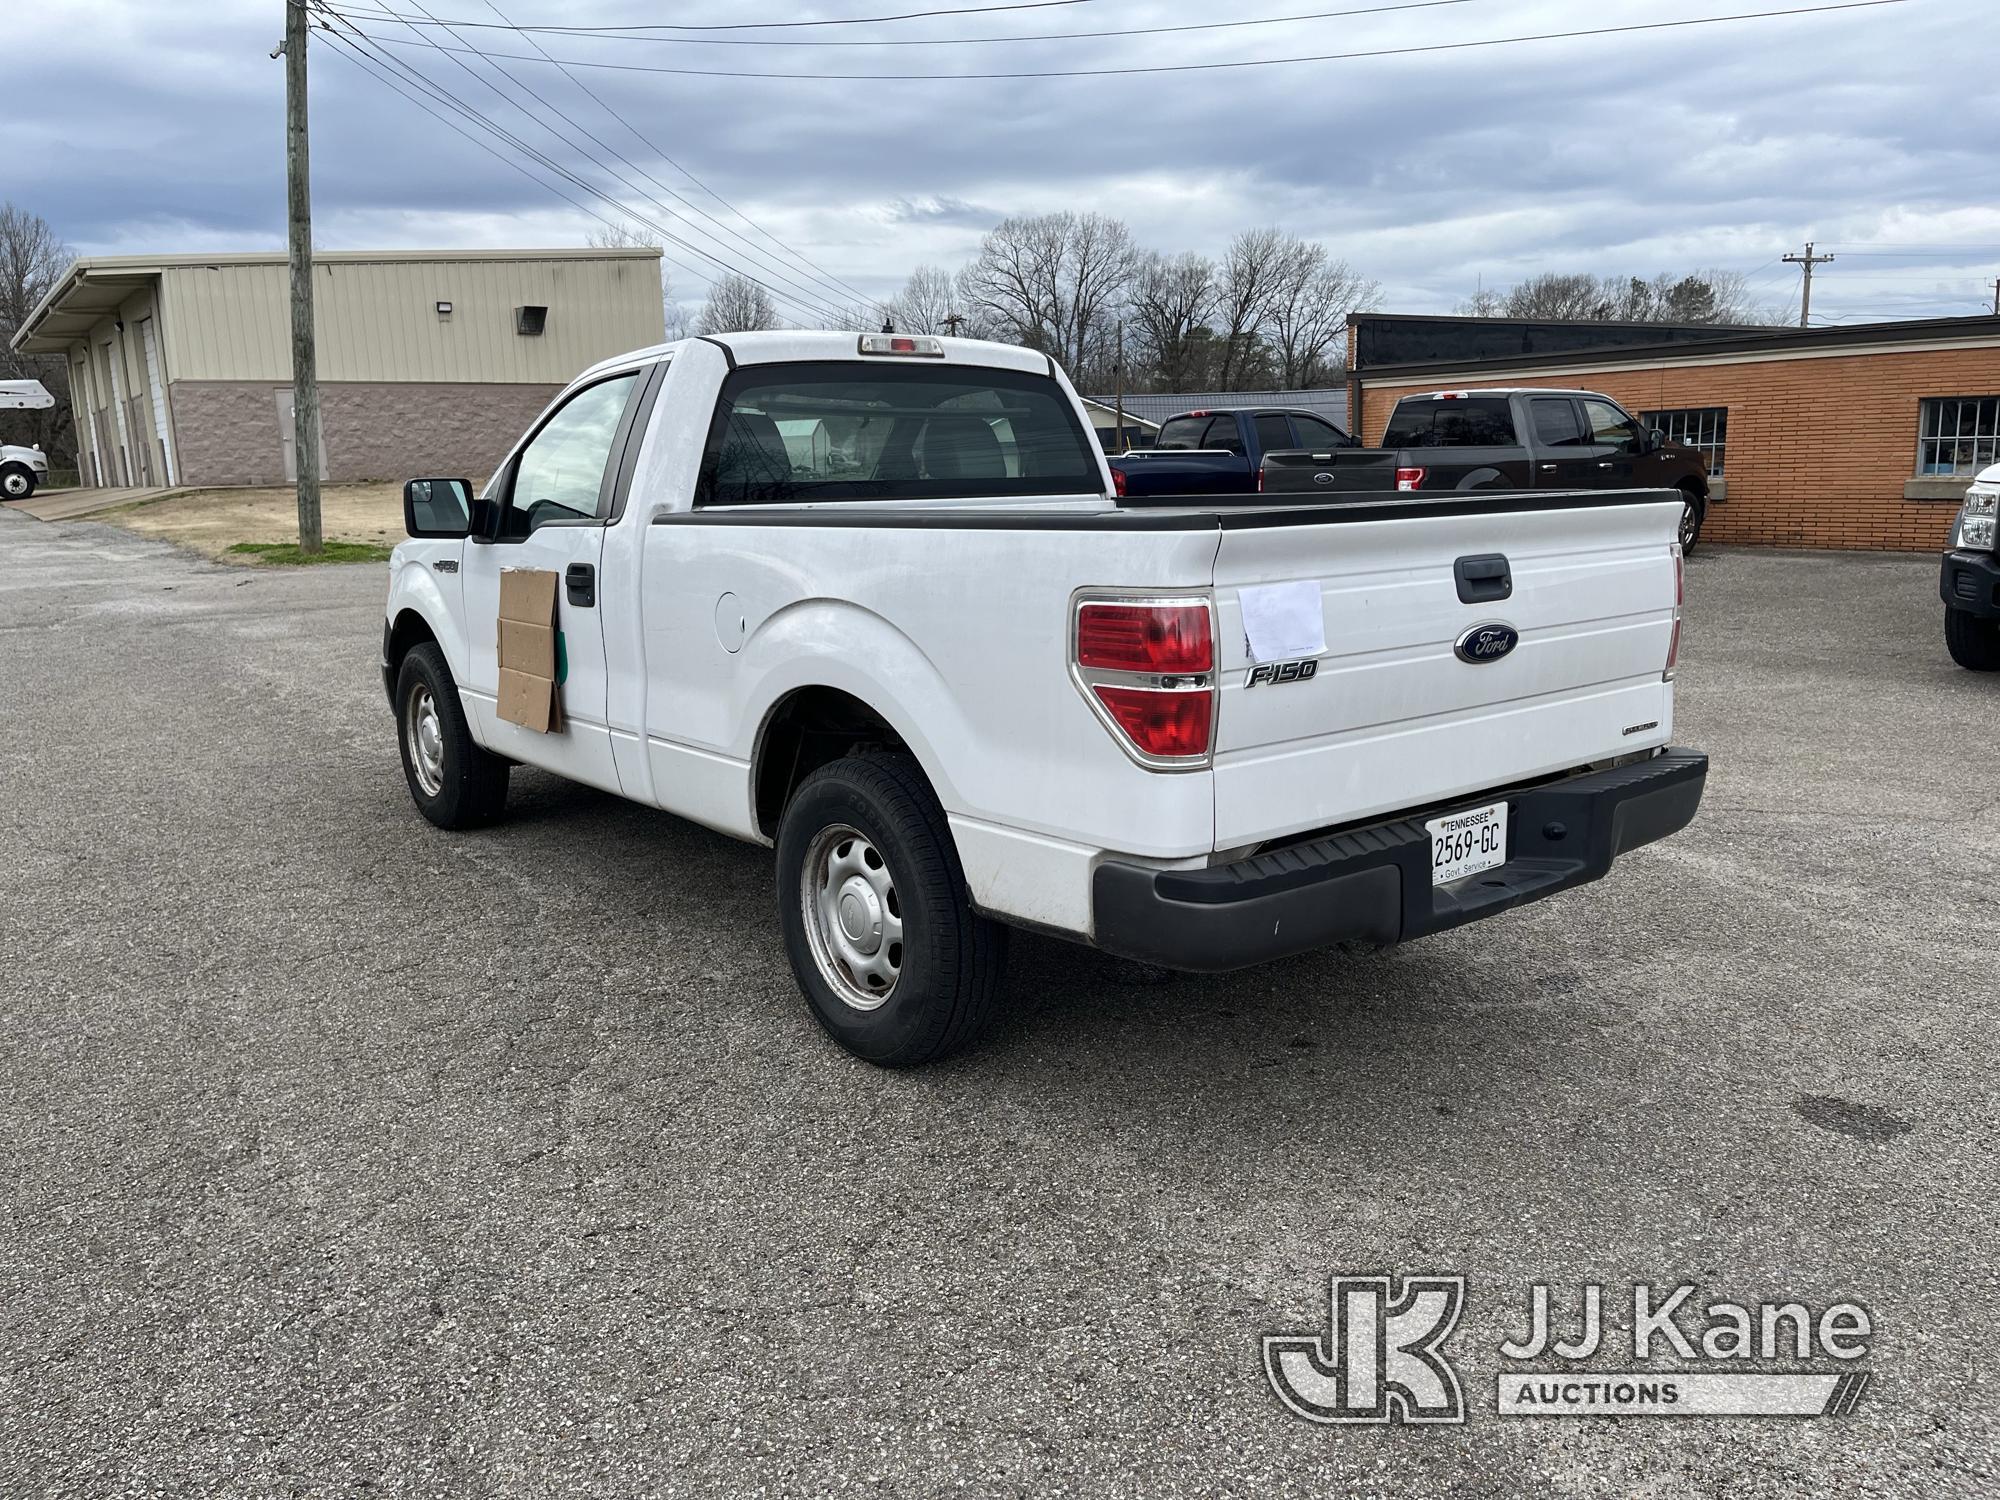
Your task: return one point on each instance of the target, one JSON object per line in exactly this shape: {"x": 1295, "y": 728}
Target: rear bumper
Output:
{"x": 1970, "y": 581}
{"x": 1373, "y": 885}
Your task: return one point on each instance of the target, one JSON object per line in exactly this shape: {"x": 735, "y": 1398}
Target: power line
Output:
{"x": 646, "y": 33}
{"x": 1205, "y": 67}
{"x": 819, "y": 273}
{"x": 542, "y": 158}
{"x": 914, "y": 15}
{"x": 799, "y": 295}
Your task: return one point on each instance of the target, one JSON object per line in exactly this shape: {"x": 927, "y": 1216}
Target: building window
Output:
{"x": 530, "y": 321}
{"x": 1958, "y": 435}
{"x": 1702, "y": 427}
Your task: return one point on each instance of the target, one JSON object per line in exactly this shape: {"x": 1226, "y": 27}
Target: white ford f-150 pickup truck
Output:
{"x": 871, "y": 599}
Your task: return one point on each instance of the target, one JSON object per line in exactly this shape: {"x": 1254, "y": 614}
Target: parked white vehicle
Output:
{"x": 871, "y": 600}
{"x": 1970, "y": 579}
{"x": 23, "y": 470}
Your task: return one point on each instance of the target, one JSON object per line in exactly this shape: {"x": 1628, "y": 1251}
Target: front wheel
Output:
{"x": 453, "y": 782}
{"x": 1694, "y": 510}
{"x": 1973, "y": 643}
{"x": 16, "y": 483}
{"x": 897, "y": 966}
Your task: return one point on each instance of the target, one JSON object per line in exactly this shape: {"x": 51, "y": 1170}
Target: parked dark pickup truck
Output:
{"x": 1219, "y": 452}
{"x": 1504, "y": 440}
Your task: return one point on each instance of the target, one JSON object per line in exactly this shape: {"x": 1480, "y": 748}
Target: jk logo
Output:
{"x": 1381, "y": 1358}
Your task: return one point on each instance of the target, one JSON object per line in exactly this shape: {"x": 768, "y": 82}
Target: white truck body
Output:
{"x": 954, "y": 623}
{"x": 23, "y": 469}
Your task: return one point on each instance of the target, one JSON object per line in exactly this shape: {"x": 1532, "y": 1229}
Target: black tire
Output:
{"x": 470, "y": 785}
{"x": 947, "y": 985}
{"x": 17, "y": 482}
{"x": 1694, "y": 511}
{"x": 1974, "y": 643}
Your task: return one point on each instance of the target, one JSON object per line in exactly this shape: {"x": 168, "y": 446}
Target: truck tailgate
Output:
{"x": 1392, "y": 719}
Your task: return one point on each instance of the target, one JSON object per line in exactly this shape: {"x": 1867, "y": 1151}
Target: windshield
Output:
{"x": 840, "y": 430}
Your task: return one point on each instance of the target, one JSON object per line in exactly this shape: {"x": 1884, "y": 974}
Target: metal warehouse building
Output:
{"x": 1862, "y": 436}
{"x": 429, "y": 361}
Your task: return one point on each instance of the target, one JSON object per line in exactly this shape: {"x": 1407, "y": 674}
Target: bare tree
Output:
{"x": 1714, "y": 296}
{"x": 1172, "y": 304}
{"x": 618, "y": 237}
{"x": 928, "y": 303}
{"x": 32, "y": 258}
{"x": 1054, "y": 282}
{"x": 736, "y": 304}
{"x": 1250, "y": 275}
{"x": 1310, "y": 302}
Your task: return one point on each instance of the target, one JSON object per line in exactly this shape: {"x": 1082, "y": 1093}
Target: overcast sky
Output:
{"x": 137, "y": 126}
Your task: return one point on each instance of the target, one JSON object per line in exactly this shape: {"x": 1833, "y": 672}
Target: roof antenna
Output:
{"x": 889, "y": 325}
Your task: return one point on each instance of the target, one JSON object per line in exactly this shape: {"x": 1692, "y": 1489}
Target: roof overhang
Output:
{"x": 85, "y": 297}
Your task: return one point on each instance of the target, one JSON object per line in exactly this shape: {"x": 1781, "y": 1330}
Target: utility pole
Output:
{"x": 1808, "y": 260}
{"x": 1996, "y": 297}
{"x": 305, "y": 375}
{"x": 951, "y": 322}
{"x": 1119, "y": 367}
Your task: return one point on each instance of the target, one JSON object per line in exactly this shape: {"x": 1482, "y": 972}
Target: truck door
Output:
{"x": 547, "y": 509}
{"x": 1564, "y": 457}
{"x": 1617, "y": 442}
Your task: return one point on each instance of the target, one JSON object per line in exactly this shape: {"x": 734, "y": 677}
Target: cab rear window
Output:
{"x": 1468, "y": 422}
{"x": 841, "y": 431}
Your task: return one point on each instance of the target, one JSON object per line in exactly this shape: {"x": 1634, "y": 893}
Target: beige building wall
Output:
{"x": 377, "y": 318}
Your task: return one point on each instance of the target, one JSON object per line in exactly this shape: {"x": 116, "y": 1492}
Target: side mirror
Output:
{"x": 1655, "y": 440}
{"x": 437, "y": 507}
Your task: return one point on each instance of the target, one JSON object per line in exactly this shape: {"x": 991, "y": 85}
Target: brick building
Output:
{"x": 429, "y": 361}
{"x": 1856, "y": 437}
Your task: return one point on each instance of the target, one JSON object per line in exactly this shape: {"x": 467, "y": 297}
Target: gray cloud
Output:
{"x": 1706, "y": 147}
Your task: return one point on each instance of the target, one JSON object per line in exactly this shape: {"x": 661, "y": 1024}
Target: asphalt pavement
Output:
{"x": 343, "y": 1156}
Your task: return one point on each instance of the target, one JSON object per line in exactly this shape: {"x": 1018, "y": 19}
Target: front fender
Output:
{"x": 415, "y": 586}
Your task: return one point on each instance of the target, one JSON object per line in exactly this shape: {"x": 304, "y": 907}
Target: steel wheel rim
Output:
{"x": 1687, "y": 524}
{"x": 16, "y": 485}
{"x": 853, "y": 917}
{"x": 423, "y": 737}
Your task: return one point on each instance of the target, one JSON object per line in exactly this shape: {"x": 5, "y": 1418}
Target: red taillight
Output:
{"x": 1680, "y": 594}
{"x": 1148, "y": 665}
{"x": 1161, "y": 724}
{"x": 1409, "y": 479}
{"x": 1153, "y": 638}
{"x": 1118, "y": 483}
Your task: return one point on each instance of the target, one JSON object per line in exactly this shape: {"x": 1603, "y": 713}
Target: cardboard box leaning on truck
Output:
{"x": 530, "y": 670}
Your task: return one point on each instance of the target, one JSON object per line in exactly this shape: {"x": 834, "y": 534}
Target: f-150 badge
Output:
{"x": 1280, "y": 672}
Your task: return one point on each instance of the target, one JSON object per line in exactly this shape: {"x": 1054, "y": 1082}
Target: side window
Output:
{"x": 1313, "y": 433}
{"x": 1273, "y": 431}
{"x": 1223, "y": 433}
{"x": 1611, "y": 426}
{"x": 1181, "y": 432}
{"x": 560, "y": 474}
{"x": 1556, "y": 424}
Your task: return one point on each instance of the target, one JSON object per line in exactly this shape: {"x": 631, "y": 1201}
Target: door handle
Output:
{"x": 1548, "y": 468}
{"x": 580, "y": 582}
{"x": 1604, "y": 466}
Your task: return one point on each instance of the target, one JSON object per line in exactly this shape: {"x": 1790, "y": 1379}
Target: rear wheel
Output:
{"x": 1974, "y": 643}
{"x": 1694, "y": 510}
{"x": 897, "y": 966}
{"x": 453, "y": 782}
{"x": 16, "y": 482}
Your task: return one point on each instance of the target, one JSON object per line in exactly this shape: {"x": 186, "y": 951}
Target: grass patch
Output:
{"x": 288, "y": 555}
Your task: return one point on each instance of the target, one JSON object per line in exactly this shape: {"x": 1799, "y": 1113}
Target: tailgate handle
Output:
{"x": 1483, "y": 579}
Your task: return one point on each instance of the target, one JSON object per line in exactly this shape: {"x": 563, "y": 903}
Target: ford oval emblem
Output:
{"x": 1488, "y": 642}
{"x": 1322, "y": 478}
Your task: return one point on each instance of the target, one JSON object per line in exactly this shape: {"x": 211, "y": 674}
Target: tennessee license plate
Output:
{"x": 1464, "y": 843}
